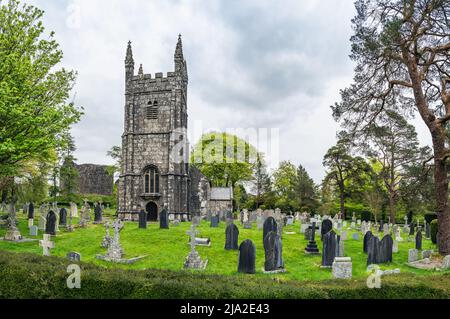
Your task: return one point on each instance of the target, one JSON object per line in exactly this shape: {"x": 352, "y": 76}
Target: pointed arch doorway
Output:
{"x": 152, "y": 211}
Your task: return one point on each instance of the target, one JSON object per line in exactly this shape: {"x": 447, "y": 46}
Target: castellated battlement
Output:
{"x": 157, "y": 77}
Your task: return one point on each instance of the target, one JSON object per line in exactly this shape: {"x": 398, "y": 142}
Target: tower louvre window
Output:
{"x": 152, "y": 110}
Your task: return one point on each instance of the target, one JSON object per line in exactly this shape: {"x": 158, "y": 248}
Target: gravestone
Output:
{"x": 273, "y": 249}
{"x": 269, "y": 225}
{"x": 329, "y": 249}
{"x": 107, "y": 239}
{"x": 327, "y": 226}
{"x": 42, "y": 221}
{"x": 142, "y": 219}
{"x": 73, "y": 210}
{"x": 367, "y": 237}
{"x": 247, "y": 257}
{"x": 427, "y": 254}
{"x": 419, "y": 239}
{"x": 411, "y": 229}
{"x": 373, "y": 251}
{"x": 215, "y": 220}
{"x": 395, "y": 246}
{"x": 342, "y": 268}
{"x": 340, "y": 247}
{"x": 248, "y": 225}
{"x": 231, "y": 237}
{"x": 344, "y": 235}
{"x": 193, "y": 260}
{"x": 386, "y": 249}
{"x": 46, "y": 245}
{"x": 164, "y": 219}
{"x": 74, "y": 256}
{"x": 312, "y": 245}
{"x": 446, "y": 262}
{"x": 427, "y": 230}
{"x": 63, "y": 217}
{"x": 115, "y": 251}
{"x": 413, "y": 255}
{"x": 34, "y": 231}
{"x": 31, "y": 211}
{"x": 50, "y": 226}
{"x": 98, "y": 212}
{"x": 355, "y": 236}
{"x": 260, "y": 222}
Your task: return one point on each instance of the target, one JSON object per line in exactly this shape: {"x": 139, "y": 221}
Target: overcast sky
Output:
{"x": 251, "y": 64}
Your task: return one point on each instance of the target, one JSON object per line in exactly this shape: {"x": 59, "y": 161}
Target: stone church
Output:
{"x": 155, "y": 170}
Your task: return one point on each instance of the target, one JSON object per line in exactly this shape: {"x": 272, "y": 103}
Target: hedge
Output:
{"x": 29, "y": 276}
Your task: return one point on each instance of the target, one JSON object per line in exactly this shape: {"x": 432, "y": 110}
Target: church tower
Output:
{"x": 155, "y": 170}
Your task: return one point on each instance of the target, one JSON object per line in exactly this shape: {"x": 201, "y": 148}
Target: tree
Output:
{"x": 33, "y": 92}
{"x": 343, "y": 167}
{"x": 393, "y": 143}
{"x": 116, "y": 154}
{"x": 284, "y": 182}
{"x": 68, "y": 174}
{"x": 224, "y": 159}
{"x": 306, "y": 190}
{"x": 261, "y": 181}
{"x": 402, "y": 51}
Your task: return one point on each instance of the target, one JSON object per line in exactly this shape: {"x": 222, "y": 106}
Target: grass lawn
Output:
{"x": 167, "y": 249}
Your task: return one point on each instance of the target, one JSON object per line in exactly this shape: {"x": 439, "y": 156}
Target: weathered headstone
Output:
{"x": 373, "y": 251}
{"x": 31, "y": 211}
{"x": 367, "y": 237}
{"x": 74, "y": 256}
{"x": 269, "y": 225}
{"x": 107, "y": 239}
{"x": 273, "y": 252}
{"x": 386, "y": 249}
{"x": 63, "y": 217}
{"x": 164, "y": 219}
{"x": 312, "y": 245}
{"x": 193, "y": 260}
{"x": 446, "y": 262}
{"x": 98, "y": 213}
{"x": 342, "y": 268}
{"x": 50, "y": 226}
{"x": 34, "y": 231}
{"x": 413, "y": 255}
{"x": 327, "y": 226}
{"x": 247, "y": 257}
{"x": 395, "y": 246}
{"x": 46, "y": 245}
{"x": 329, "y": 249}
{"x": 259, "y": 222}
{"x": 419, "y": 239}
{"x": 231, "y": 237}
{"x": 355, "y": 236}
{"x": 427, "y": 254}
{"x": 215, "y": 220}
{"x": 142, "y": 219}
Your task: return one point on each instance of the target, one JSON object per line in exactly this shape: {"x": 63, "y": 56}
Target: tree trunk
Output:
{"x": 392, "y": 207}
{"x": 441, "y": 186}
{"x": 342, "y": 200}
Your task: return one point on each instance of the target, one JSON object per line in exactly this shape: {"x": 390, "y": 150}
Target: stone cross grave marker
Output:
{"x": 46, "y": 244}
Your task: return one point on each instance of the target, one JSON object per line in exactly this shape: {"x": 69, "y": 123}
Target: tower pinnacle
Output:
{"x": 129, "y": 61}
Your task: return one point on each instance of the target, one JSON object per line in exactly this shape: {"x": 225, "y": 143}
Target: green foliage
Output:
{"x": 224, "y": 159}
{"x": 49, "y": 274}
{"x": 69, "y": 178}
{"x": 33, "y": 93}
{"x": 434, "y": 230}
{"x": 294, "y": 189}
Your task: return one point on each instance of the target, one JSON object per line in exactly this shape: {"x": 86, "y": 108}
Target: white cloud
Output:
{"x": 251, "y": 64}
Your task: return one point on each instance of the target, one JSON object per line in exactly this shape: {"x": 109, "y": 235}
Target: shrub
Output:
{"x": 434, "y": 231}
{"x": 29, "y": 276}
{"x": 366, "y": 216}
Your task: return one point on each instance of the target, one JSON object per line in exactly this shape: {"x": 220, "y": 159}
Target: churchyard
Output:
{"x": 167, "y": 249}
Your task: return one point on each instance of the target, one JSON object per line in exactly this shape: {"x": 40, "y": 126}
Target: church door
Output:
{"x": 152, "y": 212}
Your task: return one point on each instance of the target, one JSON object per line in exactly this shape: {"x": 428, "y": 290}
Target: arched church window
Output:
{"x": 152, "y": 110}
{"x": 151, "y": 181}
